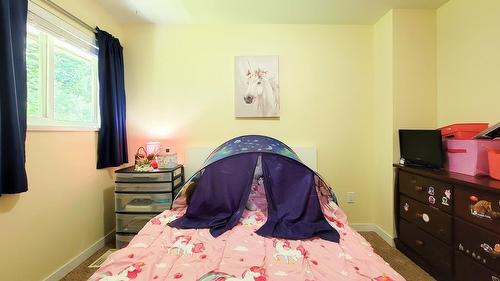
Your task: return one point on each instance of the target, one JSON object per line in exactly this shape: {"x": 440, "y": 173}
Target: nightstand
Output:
{"x": 140, "y": 196}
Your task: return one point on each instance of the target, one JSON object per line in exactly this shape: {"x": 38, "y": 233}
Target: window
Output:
{"x": 62, "y": 79}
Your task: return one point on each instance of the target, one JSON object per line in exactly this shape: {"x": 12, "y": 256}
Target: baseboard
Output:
{"x": 80, "y": 258}
{"x": 375, "y": 228}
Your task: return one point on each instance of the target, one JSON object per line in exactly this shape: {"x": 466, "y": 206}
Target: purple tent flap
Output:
{"x": 294, "y": 211}
{"x": 220, "y": 195}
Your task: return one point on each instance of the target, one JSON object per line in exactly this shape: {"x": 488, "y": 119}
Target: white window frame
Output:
{"x": 74, "y": 41}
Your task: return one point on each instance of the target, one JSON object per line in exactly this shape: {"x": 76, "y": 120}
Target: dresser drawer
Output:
{"x": 148, "y": 177}
{"x": 467, "y": 270}
{"x": 436, "y": 253}
{"x": 132, "y": 223}
{"x": 431, "y": 219}
{"x": 478, "y": 244}
{"x": 143, "y": 177}
{"x": 143, "y": 202}
{"x": 426, "y": 190}
{"x": 148, "y": 187}
{"x": 122, "y": 240}
{"x": 479, "y": 207}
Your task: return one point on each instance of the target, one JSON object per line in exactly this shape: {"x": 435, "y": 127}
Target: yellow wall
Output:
{"x": 414, "y": 71}
{"x": 468, "y": 63}
{"x": 69, "y": 205}
{"x": 382, "y": 122}
{"x": 180, "y": 91}
{"x": 404, "y": 94}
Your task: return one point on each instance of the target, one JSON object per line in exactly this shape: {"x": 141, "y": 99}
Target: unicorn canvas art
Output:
{"x": 256, "y": 86}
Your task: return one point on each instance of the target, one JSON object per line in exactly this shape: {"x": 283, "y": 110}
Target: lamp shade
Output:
{"x": 153, "y": 147}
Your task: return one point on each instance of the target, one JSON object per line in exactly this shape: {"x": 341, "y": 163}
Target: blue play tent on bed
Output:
{"x": 221, "y": 188}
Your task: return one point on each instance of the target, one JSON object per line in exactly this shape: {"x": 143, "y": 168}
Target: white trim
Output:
{"x": 375, "y": 228}
{"x": 61, "y": 129}
{"x": 80, "y": 258}
{"x": 60, "y": 28}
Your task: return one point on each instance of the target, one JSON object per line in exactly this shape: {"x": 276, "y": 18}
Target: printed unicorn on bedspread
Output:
{"x": 184, "y": 246}
{"x": 284, "y": 250}
{"x": 253, "y": 219}
{"x": 254, "y": 273}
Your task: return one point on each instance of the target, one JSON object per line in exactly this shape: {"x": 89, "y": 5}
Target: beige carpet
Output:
{"x": 408, "y": 269}
{"x": 396, "y": 259}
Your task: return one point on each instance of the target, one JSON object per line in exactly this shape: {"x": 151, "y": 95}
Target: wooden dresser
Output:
{"x": 449, "y": 223}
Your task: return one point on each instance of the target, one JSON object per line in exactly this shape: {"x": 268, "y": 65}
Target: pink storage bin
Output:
{"x": 494, "y": 163}
{"x": 469, "y": 157}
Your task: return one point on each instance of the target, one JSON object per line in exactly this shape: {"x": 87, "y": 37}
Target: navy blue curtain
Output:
{"x": 13, "y": 96}
{"x": 220, "y": 195}
{"x": 294, "y": 211}
{"x": 112, "y": 139}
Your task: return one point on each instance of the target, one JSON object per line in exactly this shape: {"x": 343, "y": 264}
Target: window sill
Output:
{"x": 61, "y": 129}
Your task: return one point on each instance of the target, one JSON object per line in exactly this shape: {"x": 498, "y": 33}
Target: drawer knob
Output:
{"x": 425, "y": 217}
{"x": 419, "y": 188}
{"x": 413, "y": 180}
{"x": 419, "y": 242}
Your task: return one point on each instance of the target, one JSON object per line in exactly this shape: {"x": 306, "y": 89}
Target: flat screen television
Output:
{"x": 421, "y": 148}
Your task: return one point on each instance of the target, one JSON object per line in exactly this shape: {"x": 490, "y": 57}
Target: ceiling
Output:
{"x": 259, "y": 11}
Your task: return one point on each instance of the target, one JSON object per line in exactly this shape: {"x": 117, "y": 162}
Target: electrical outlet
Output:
{"x": 351, "y": 197}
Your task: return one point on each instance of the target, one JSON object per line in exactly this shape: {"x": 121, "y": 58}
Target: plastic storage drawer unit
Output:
{"x": 140, "y": 196}
{"x": 142, "y": 202}
{"x": 143, "y": 187}
{"x": 153, "y": 187}
{"x": 122, "y": 240}
{"x": 128, "y": 175}
{"x": 132, "y": 223}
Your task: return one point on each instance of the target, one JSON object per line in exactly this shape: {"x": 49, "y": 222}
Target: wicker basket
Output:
{"x": 142, "y": 161}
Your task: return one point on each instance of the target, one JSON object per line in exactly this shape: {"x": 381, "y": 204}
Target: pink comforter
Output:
{"x": 160, "y": 252}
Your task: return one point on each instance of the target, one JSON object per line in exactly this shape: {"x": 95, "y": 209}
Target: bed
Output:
{"x": 242, "y": 226}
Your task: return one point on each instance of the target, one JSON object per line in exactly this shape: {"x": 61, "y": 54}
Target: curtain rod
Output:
{"x": 67, "y": 14}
